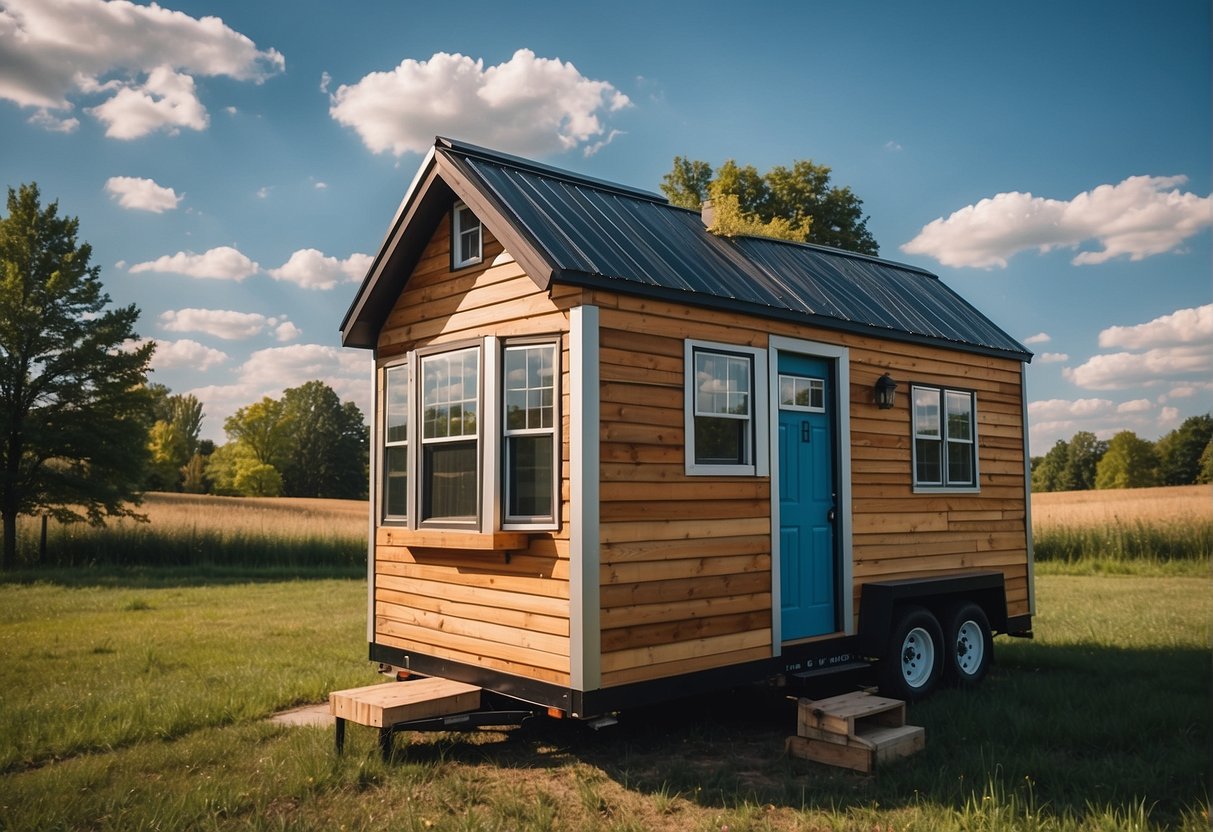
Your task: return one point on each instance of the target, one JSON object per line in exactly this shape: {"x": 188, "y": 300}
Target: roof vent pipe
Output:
{"x": 707, "y": 213}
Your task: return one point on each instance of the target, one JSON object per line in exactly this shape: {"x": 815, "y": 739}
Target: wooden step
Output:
{"x": 385, "y": 705}
{"x": 855, "y": 730}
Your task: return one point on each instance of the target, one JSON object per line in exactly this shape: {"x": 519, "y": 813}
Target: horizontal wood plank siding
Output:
{"x": 686, "y": 561}
{"x": 482, "y": 608}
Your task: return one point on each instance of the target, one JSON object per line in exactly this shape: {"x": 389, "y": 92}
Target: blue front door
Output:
{"x": 807, "y": 571}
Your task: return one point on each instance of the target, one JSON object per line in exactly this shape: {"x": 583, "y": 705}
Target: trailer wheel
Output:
{"x": 970, "y": 644}
{"x": 913, "y": 662}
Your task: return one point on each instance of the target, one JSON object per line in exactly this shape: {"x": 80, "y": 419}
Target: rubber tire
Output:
{"x": 910, "y": 624}
{"x": 967, "y": 629}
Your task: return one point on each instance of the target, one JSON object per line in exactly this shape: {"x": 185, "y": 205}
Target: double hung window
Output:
{"x": 396, "y": 442}
{"x": 945, "y": 438}
{"x": 530, "y": 433}
{"x": 725, "y": 387}
{"x": 465, "y": 237}
{"x": 450, "y": 452}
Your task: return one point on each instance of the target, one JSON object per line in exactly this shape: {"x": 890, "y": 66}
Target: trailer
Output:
{"x": 617, "y": 458}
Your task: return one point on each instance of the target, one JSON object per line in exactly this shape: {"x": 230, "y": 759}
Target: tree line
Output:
{"x": 1182, "y": 457}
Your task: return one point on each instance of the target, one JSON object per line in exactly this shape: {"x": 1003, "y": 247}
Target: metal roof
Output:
{"x": 594, "y": 233}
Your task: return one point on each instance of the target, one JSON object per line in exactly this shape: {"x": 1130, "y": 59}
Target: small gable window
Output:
{"x": 465, "y": 237}
{"x": 945, "y": 438}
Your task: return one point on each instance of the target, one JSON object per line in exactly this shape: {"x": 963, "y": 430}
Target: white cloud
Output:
{"x": 44, "y": 119}
{"x": 1052, "y": 357}
{"x": 56, "y": 50}
{"x": 222, "y": 263}
{"x": 320, "y": 186}
{"x": 226, "y": 323}
{"x": 1120, "y": 370}
{"x": 264, "y": 191}
{"x": 186, "y": 353}
{"x": 892, "y": 146}
{"x": 269, "y": 371}
{"x": 325, "y": 80}
{"x": 141, "y": 194}
{"x": 527, "y": 105}
{"x": 1184, "y": 326}
{"x": 1176, "y": 346}
{"x": 1135, "y": 406}
{"x": 1038, "y": 338}
{"x": 312, "y": 269}
{"x": 1055, "y": 419}
{"x": 591, "y": 149}
{"x": 1140, "y": 217}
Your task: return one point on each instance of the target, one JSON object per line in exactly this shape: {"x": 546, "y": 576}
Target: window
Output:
{"x": 450, "y": 447}
{"x": 800, "y": 393}
{"x": 724, "y": 387}
{"x": 945, "y": 446}
{"x": 395, "y": 442}
{"x": 529, "y": 430}
{"x": 465, "y": 237}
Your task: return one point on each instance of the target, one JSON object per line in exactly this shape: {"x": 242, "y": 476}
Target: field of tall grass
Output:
{"x": 187, "y": 530}
{"x": 1156, "y": 530}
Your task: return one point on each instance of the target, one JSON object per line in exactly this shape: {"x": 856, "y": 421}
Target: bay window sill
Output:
{"x": 453, "y": 539}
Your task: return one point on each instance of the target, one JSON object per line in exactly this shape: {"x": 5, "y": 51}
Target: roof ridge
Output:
{"x": 572, "y": 177}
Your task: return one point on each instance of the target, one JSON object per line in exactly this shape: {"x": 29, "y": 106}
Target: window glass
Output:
{"x": 449, "y": 483}
{"x": 466, "y": 242}
{"x": 945, "y": 453}
{"x": 926, "y": 412}
{"x": 722, "y": 409}
{"x": 801, "y": 393}
{"x": 530, "y": 435}
{"x": 960, "y": 416}
{"x": 395, "y": 435}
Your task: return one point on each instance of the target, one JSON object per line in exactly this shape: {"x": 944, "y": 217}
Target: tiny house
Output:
{"x": 617, "y": 458}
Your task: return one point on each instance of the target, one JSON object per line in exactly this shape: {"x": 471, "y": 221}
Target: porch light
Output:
{"x": 886, "y": 392}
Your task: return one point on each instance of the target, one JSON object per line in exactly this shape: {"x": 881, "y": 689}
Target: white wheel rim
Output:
{"x": 917, "y": 657}
{"x": 970, "y": 648}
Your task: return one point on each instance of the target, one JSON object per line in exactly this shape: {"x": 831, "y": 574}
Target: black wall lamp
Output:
{"x": 886, "y": 392}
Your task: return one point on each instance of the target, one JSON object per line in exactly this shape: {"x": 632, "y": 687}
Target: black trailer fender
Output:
{"x": 879, "y": 600}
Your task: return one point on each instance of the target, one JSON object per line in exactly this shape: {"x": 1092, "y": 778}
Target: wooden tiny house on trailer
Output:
{"x": 619, "y": 458}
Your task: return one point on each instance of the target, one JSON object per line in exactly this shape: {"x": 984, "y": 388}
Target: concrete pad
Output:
{"x": 313, "y": 715}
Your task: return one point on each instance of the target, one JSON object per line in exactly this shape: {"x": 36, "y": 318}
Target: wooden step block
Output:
{"x": 382, "y": 706}
{"x": 864, "y": 752}
{"x": 846, "y": 715}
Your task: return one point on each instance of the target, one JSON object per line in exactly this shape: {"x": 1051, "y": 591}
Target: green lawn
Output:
{"x": 140, "y": 704}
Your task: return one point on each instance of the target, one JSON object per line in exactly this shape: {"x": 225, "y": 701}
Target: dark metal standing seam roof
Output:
{"x": 598, "y": 234}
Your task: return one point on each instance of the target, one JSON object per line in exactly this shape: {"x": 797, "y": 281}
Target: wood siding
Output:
{"x": 686, "y": 561}
{"x": 478, "y": 607}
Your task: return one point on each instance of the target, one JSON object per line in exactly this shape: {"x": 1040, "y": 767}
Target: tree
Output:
{"x": 173, "y": 438}
{"x": 74, "y": 404}
{"x": 1047, "y": 475}
{"x": 801, "y": 198}
{"x": 261, "y": 428}
{"x": 326, "y": 451}
{"x": 1082, "y": 460}
{"x": 1130, "y": 462}
{"x": 1205, "y": 475}
{"x": 1180, "y": 450}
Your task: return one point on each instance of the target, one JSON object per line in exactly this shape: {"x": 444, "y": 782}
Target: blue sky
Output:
{"x": 234, "y": 165}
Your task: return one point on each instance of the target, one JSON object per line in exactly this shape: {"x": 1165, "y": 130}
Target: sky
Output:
{"x": 235, "y": 165}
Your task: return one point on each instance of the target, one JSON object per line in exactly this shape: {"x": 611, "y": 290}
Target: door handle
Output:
{"x": 831, "y": 515}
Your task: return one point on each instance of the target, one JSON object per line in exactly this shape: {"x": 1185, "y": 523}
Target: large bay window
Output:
{"x": 454, "y": 419}
{"x": 945, "y": 438}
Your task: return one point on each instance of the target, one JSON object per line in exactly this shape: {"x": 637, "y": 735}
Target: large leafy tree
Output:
{"x": 1180, "y": 450}
{"x": 1130, "y": 462}
{"x": 173, "y": 439}
{"x": 797, "y": 203}
{"x": 74, "y": 406}
{"x": 327, "y": 446}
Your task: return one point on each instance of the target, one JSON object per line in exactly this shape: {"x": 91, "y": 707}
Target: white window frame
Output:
{"x": 759, "y": 462}
{"x": 457, "y": 235}
{"x": 538, "y": 522}
{"x": 404, "y": 363}
{"x": 418, "y": 457}
{"x": 944, "y": 484}
{"x": 818, "y": 383}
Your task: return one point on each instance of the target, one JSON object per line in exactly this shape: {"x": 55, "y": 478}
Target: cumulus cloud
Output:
{"x": 186, "y": 353}
{"x": 1184, "y": 326}
{"x": 52, "y": 51}
{"x": 226, "y": 323}
{"x": 527, "y": 105}
{"x": 269, "y": 371}
{"x": 48, "y": 121}
{"x": 1054, "y": 419}
{"x": 1176, "y": 347}
{"x": 141, "y": 194}
{"x": 222, "y": 263}
{"x": 1138, "y": 218}
{"x": 1052, "y": 357}
{"x": 1038, "y": 338}
{"x": 312, "y": 269}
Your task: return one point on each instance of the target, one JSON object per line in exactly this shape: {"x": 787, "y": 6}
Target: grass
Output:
{"x": 1129, "y": 531}
{"x": 185, "y": 530}
{"x": 141, "y": 706}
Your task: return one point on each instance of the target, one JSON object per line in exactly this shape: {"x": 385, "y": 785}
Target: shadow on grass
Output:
{"x": 1069, "y": 730}
{"x": 162, "y": 577}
